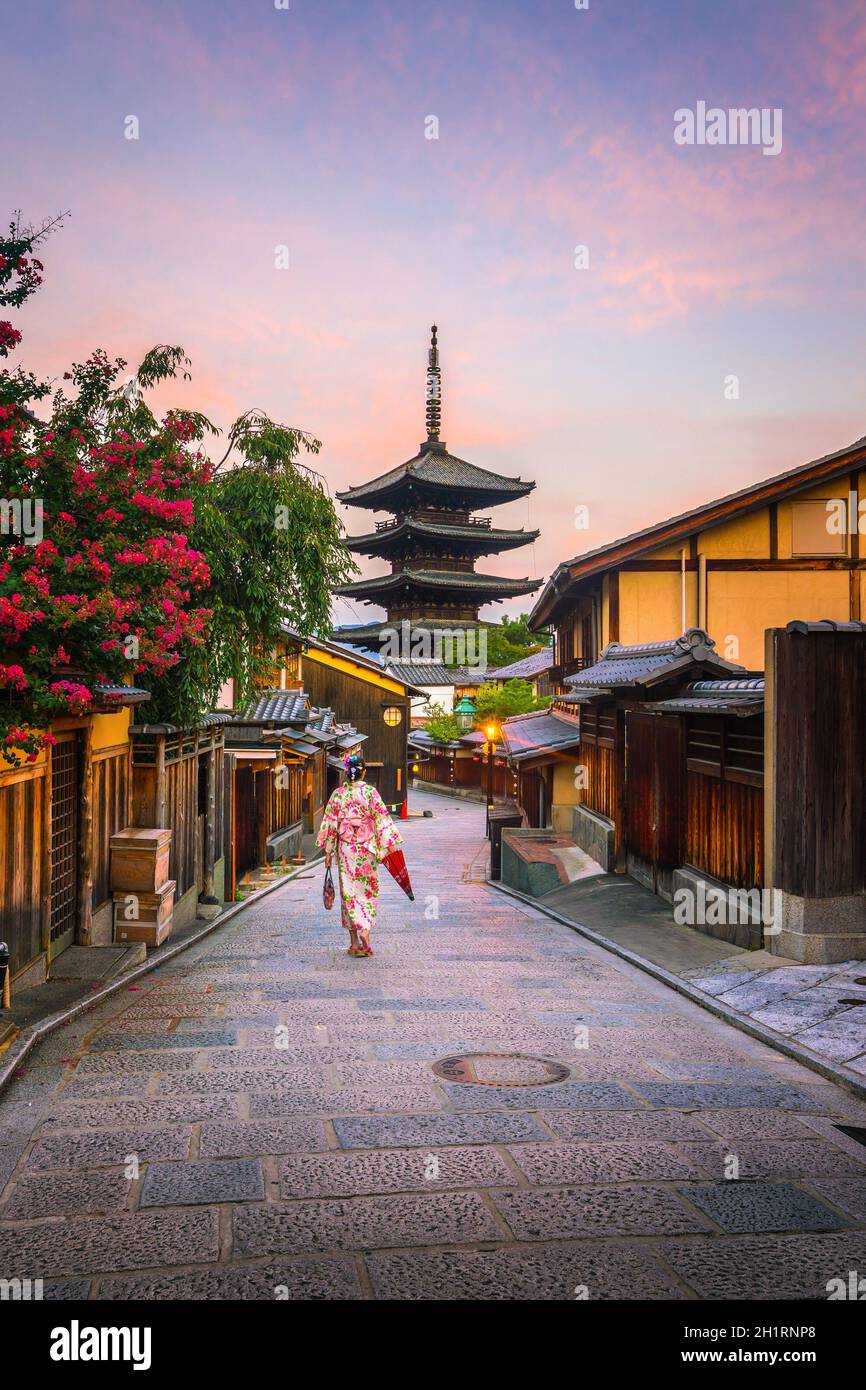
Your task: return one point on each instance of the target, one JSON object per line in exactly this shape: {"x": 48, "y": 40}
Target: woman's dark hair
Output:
{"x": 355, "y": 768}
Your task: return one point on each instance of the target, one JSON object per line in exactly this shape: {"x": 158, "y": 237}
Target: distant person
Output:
{"x": 356, "y": 825}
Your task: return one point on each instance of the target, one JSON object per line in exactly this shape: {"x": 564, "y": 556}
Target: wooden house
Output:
{"x": 177, "y": 780}
{"x": 630, "y": 809}
{"x": 374, "y": 698}
{"x": 784, "y": 549}
{"x": 57, "y": 816}
{"x": 534, "y": 668}
{"x": 459, "y": 766}
{"x": 282, "y": 762}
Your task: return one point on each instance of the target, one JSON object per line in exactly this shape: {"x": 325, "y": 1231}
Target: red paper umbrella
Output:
{"x": 396, "y": 866}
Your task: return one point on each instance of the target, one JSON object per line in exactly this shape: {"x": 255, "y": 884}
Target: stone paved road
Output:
{"x": 260, "y": 1119}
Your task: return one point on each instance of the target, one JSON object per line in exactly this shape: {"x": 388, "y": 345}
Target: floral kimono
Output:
{"x": 356, "y": 825}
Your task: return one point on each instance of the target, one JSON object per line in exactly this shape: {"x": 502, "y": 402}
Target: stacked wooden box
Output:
{"x": 142, "y": 891}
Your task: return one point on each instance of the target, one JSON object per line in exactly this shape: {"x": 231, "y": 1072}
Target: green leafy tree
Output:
{"x": 442, "y": 726}
{"x": 515, "y": 697}
{"x": 145, "y": 537}
{"x": 510, "y": 641}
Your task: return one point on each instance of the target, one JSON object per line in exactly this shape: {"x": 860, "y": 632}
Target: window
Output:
{"x": 607, "y": 726}
{"x": 818, "y": 527}
{"x": 393, "y": 716}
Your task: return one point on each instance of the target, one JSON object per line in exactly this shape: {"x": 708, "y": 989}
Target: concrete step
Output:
{"x": 97, "y": 963}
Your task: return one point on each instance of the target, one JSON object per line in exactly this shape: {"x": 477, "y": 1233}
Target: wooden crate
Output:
{"x": 155, "y": 915}
{"x": 139, "y": 859}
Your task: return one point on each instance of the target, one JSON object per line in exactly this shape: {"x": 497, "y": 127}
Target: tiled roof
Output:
{"x": 527, "y": 666}
{"x": 439, "y": 469}
{"x": 528, "y": 735}
{"x": 623, "y": 666}
{"x": 120, "y": 694}
{"x": 717, "y": 697}
{"x": 484, "y": 537}
{"x": 423, "y": 673}
{"x": 287, "y": 706}
{"x": 419, "y": 738}
{"x": 678, "y": 528}
{"x": 439, "y": 579}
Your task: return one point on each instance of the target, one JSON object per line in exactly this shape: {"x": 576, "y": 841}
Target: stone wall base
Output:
{"x": 595, "y": 835}
{"x": 33, "y": 974}
{"x": 285, "y": 842}
{"x": 820, "y": 931}
{"x": 740, "y": 925}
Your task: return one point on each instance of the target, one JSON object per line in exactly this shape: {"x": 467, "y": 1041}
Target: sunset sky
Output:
{"x": 262, "y": 127}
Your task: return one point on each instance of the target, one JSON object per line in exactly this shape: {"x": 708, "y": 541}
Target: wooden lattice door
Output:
{"x": 65, "y": 802}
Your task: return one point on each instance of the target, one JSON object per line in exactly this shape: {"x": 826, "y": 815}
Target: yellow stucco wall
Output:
{"x": 650, "y": 605}
{"x": 109, "y": 730}
{"x": 745, "y": 538}
{"x": 566, "y": 794}
{"x": 742, "y": 604}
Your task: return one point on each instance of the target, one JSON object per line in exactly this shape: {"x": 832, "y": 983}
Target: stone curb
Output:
{"x": 29, "y": 1037}
{"x": 830, "y": 1070}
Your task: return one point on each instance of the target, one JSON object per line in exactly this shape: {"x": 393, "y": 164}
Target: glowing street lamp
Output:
{"x": 490, "y": 733}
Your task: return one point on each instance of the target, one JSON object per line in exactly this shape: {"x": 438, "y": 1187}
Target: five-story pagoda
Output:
{"x": 433, "y": 540}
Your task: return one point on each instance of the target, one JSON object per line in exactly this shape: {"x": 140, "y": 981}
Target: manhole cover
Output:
{"x": 500, "y": 1069}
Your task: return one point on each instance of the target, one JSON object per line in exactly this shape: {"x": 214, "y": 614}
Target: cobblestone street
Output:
{"x": 260, "y": 1119}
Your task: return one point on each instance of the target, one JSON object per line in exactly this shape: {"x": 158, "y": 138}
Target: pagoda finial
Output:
{"x": 434, "y": 392}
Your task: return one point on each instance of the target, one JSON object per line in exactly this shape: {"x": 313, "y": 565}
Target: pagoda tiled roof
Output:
{"x": 367, "y": 635}
{"x": 483, "y": 537}
{"x": 461, "y": 580}
{"x": 437, "y": 468}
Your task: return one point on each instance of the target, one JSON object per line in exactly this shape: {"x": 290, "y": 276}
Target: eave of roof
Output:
{"x": 437, "y": 469}
{"x": 686, "y": 524}
{"x": 482, "y": 537}
{"x": 432, "y": 673}
{"x": 275, "y": 706}
{"x": 109, "y": 696}
{"x": 641, "y": 666}
{"x": 741, "y": 697}
{"x": 346, "y": 652}
{"x": 541, "y": 732}
{"x": 458, "y": 580}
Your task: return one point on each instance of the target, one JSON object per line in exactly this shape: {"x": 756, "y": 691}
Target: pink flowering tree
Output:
{"x": 105, "y": 512}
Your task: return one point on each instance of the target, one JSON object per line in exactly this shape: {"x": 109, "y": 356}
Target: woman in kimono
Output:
{"x": 356, "y": 826}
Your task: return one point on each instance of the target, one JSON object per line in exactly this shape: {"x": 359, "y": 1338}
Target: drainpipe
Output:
{"x": 683, "y": 588}
{"x": 702, "y": 592}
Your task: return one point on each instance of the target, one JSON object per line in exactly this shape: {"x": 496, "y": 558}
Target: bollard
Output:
{"x": 4, "y": 975}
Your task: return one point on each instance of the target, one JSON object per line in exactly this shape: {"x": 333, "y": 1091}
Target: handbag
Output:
{"x": 328, "y": 892}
